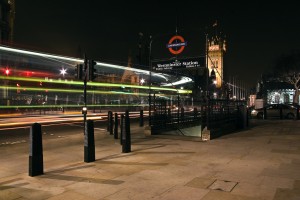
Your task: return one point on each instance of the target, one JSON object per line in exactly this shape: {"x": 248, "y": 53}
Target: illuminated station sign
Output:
{"x": 176, "y": 44}
{"x": 167, "y": 65}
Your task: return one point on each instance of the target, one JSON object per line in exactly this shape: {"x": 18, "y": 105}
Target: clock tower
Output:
{"x": 216, "y": 51}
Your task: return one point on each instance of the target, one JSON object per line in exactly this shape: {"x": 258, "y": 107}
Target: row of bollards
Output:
{"x": 125, "y": 139}
{"x": 113, "y": 124}
{"x": 125, "y": 136}
{"x": 36, "y": 166}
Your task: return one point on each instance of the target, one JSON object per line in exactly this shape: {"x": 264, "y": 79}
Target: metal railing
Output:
{"x": 217, "y": 115}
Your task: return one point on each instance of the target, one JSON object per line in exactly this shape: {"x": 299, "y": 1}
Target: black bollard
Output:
{"x": 36, "y": 166}
{"x": 111, "y": 124}
{"x": 169, "y": 117}
{"x": 280, "y": 112}
{"x": 182, "y": 114}
{"x": 247, "y": 119}
{"x": 298, "y": 112}
{"x": 89, "y": 142}
{"x": 108, "y": 120}
{"x": 238, "y": 117}
{"x": 122, "y": 128}
{"x": 116, "y": 126}
{"x": 126, "y": 139}
{"x": 195, "y": 113}
{"x": 265, "y": 113}
{"x": 141, "y": 118}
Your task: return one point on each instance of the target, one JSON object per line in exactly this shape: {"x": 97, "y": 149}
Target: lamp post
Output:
{"x": 150, "y": 74}
{"x": 207, "y": 77}
{"x": 63, "y": 71}
{"x": 151, "y": 38}
{"x": 141, "y": 35}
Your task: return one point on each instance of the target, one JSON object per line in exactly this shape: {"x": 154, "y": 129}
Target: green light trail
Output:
{"x": 71, "y": 106}
{"x": 71, "y": 82}
{"x": 41, "y": 89}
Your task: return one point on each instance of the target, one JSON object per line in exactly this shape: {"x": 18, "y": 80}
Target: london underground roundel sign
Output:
{"x": 176, "y": 44}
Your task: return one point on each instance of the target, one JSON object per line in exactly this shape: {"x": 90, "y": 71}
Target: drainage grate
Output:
{"x": 226, "y": 186}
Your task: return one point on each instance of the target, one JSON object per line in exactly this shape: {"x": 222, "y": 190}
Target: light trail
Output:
{"x": 26, "y": 52}
{"x": 72, "y": 106}
{"x": 26, "y": 122}
{"x": 48, "y": 90}
{"x": 77, "y": 60}
{"x": 37, "y": 84}
{"x": 98, "y": 84}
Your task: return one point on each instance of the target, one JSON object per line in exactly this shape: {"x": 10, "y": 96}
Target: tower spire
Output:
{"x": 176, "y": 29}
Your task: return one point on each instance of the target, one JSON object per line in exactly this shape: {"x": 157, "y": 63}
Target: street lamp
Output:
{"x": 151, "y": 38}
{"x": 150, "y": 71}
{"x": 142, "y": 81}
{"x": 63, "y": 71}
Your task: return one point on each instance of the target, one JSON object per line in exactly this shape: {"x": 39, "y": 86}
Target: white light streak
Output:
{"x": 26, "y": 52}
{"x": 182, "y": 81}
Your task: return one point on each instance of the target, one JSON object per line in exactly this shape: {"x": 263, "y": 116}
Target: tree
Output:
{"x": 287, "y": 69}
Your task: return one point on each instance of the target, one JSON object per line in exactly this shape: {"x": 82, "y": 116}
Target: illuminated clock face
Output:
{"x": 214, "y": 48}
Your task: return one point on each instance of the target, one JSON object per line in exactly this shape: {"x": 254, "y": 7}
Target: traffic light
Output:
{"x": 79, "y": 71}
{"x": 92, "y": 70}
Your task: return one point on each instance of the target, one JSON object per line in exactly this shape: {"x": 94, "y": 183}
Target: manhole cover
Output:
{"x": 226, "y": 186}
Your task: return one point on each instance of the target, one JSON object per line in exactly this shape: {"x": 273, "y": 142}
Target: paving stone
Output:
{"x": 5, "y": 194}
{"x": 203, "y": 183}
{"x": 220, "y": 195}
{"x": 181, "y": 192}
{"x": 286, "y": 194}
{"x": 255, "y": 191}
{"x": 222, "y": 185}
{"x": 70, "y": 195}
{"x": 297, "y": 184}
{"x": 277, "y": 182}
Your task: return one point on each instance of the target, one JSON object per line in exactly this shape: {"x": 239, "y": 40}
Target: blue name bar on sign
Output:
{"x": 177, "y": 44}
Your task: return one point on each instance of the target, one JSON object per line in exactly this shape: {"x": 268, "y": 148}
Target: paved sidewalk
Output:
{"x": 262, "y": 162}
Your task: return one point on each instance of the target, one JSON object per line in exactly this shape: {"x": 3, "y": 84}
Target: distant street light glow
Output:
{"x": 63, "y": 71}
{"x": 7, "y": 71}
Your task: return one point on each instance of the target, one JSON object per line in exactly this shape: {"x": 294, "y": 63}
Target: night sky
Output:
{"x": 108, "y": 31}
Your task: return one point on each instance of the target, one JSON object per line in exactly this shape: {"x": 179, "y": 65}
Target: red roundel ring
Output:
{"x": 176, "y": 37}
